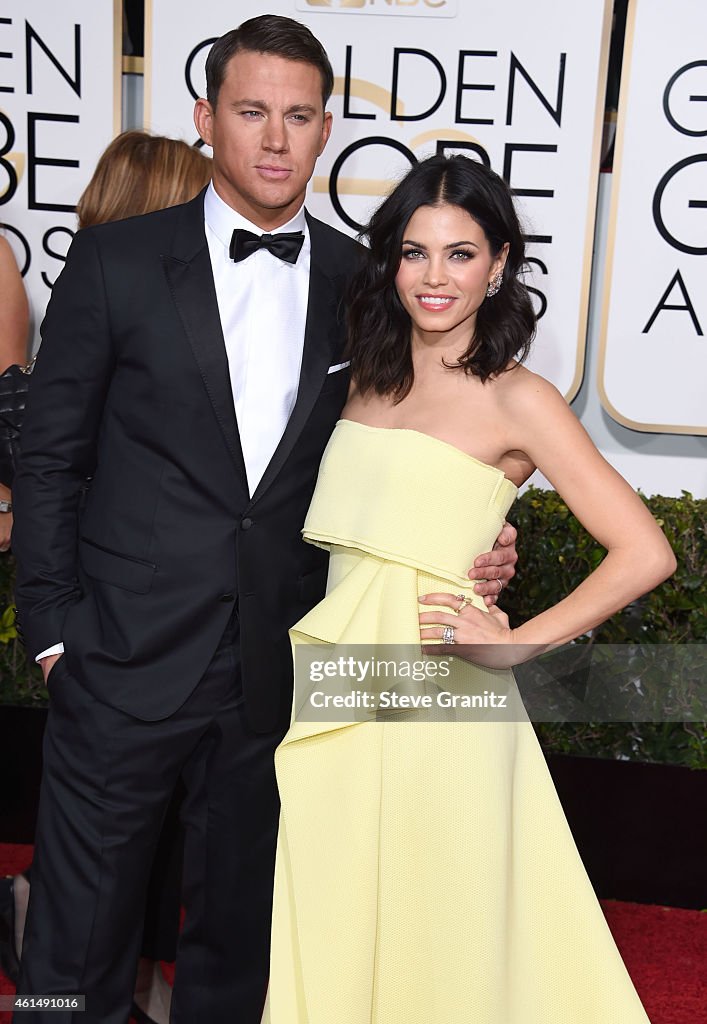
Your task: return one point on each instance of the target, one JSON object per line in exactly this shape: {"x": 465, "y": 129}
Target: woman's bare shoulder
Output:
{"x": 527, "y": 391}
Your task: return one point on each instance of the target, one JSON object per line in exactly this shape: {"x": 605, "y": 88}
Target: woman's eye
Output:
{"x": 413, "y": 254}
{"x": 462, "y": 255}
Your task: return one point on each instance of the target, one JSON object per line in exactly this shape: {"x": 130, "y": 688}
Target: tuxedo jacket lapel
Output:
{"x": 190, "y": 277}
{"x": 319, "y": 339}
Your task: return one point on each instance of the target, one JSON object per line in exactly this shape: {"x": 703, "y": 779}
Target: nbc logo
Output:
{"x": 414, "y": 8}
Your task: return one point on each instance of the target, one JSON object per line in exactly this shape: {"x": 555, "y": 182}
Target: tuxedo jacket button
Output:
{"x": 246, "y": 523}
{"x": 227, "y": 597}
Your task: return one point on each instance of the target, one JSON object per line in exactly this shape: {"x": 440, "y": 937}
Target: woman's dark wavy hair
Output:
{"x": 378, "y": 326}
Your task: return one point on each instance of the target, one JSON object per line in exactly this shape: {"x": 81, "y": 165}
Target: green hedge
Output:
{"x": 20, "y": 681}
{"x": 556, "y": 553}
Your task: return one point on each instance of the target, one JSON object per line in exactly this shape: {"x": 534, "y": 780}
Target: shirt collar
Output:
{"x": 222, "y": 219}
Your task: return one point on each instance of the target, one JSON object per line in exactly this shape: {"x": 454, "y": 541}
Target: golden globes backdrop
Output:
{"x": 517, "y": 85}
{"x": 59, "y": 108}
{"x": 653, "y": 362}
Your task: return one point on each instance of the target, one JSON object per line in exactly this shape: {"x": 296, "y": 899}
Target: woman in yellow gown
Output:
{"x": 425, "y": 871}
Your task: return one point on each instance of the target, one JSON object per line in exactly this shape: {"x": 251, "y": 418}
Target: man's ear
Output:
{"x": 326, "y": 130}
{"x": 203, "y": 119}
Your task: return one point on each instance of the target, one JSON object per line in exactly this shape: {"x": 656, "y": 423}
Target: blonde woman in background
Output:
{"x": 138, "y": 173}
{"x": 14, "y": 328}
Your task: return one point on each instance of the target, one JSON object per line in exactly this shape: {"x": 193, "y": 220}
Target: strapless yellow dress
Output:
{"x": 425, "y": 870}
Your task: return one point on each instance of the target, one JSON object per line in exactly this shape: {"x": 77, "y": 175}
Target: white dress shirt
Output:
{"x": 262, "y": 303}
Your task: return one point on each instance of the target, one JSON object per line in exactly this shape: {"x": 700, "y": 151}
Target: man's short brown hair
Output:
{"x": 268, "y": 33}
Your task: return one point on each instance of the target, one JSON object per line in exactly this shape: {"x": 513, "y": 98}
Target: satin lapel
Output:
{"x": 188, "y": 270}
{"x": 319, "y": 339}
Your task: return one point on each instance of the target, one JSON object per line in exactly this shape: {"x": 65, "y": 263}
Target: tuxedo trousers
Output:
{"x": 107, "y": 781}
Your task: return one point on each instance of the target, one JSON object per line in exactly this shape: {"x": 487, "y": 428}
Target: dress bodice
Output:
{"x": 402, "y": 514}
{"x": 407, "y": 497}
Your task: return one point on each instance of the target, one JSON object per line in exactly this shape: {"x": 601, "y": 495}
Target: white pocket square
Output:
{"x": 339, "y": 366}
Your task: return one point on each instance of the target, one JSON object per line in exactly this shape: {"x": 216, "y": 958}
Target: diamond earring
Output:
{"x": 494, "y": 285}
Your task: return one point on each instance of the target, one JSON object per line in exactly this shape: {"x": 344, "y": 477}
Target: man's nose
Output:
{"x": 275, "y": 137}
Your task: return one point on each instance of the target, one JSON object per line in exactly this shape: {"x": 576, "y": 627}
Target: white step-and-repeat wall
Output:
{"x": 518, "y": 85}
{"x": 622, "y": 311}
{"x": 60, "y": 71}
{"x": 653, "y": 366}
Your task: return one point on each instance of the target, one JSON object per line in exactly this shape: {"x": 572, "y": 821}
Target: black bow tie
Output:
{"x": 286, "y": 246}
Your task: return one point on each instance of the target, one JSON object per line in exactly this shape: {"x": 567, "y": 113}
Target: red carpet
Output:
{"x": 665, "y": 951}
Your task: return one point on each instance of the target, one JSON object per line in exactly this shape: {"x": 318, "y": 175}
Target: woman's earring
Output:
{"x": 494, "y": 285}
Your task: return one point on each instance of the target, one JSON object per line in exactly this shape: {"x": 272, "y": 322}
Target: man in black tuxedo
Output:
{"x": 190, "y": 374}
